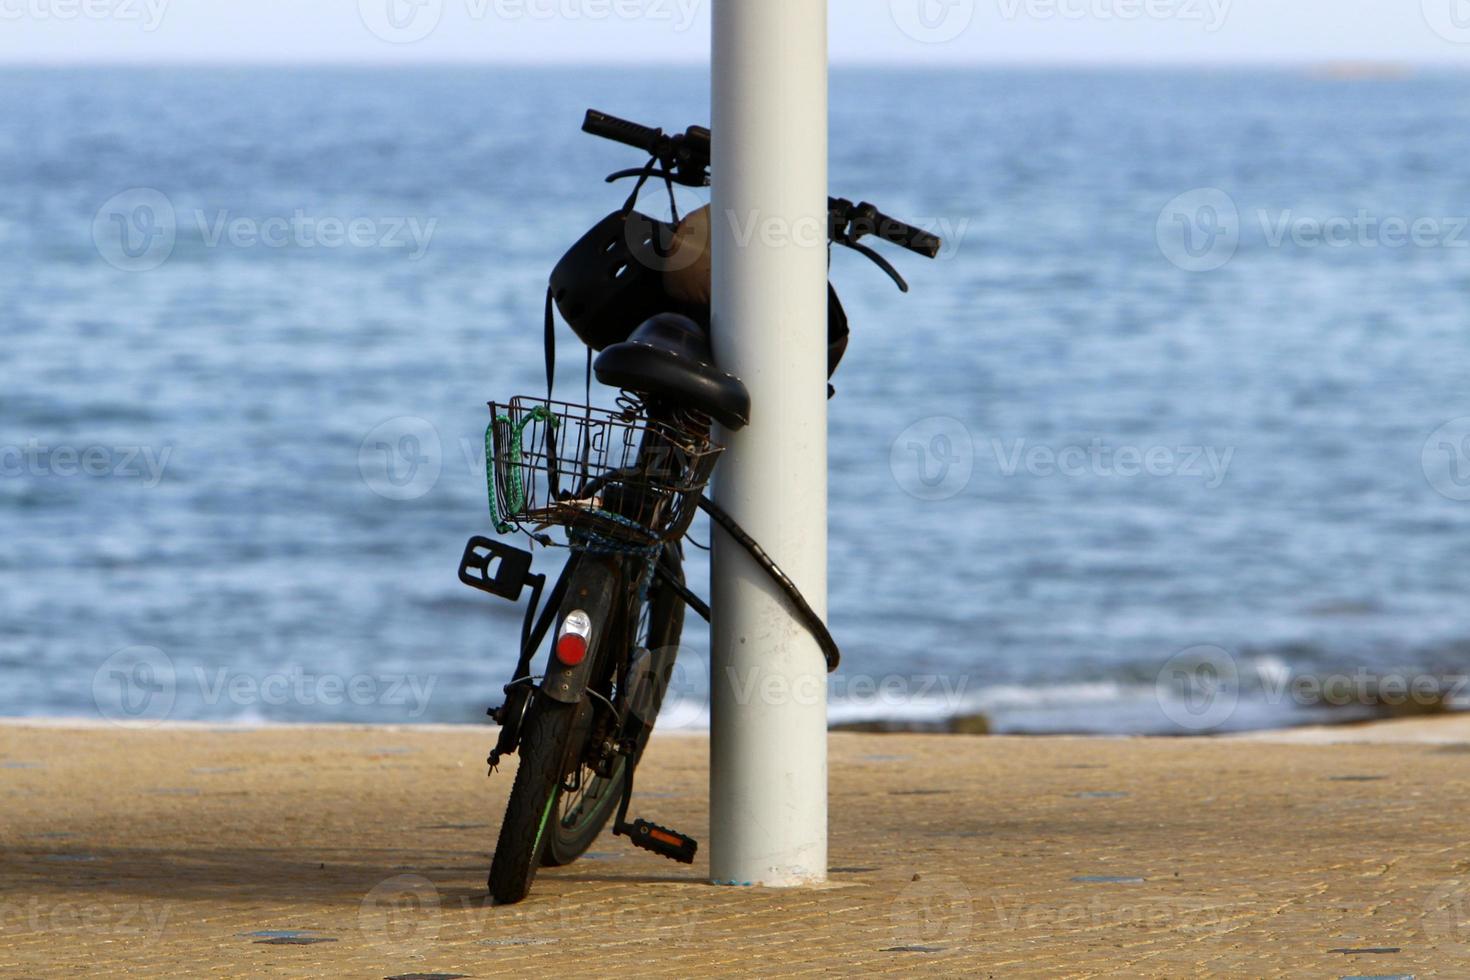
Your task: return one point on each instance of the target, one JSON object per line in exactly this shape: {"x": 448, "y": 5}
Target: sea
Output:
{"x": 1172, "y": 437}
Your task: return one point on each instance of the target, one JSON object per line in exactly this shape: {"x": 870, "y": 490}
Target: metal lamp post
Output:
{"x": 768, "y": 766}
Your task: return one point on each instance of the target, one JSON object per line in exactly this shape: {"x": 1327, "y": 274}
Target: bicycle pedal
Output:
{"x": 661, "y": 840}
{"x": 497, "y": 568}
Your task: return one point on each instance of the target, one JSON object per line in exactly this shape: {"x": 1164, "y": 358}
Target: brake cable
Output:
{"x": 877, "y": 260}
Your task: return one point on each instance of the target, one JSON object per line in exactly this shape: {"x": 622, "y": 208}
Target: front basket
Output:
{"x": 608, "y": 473}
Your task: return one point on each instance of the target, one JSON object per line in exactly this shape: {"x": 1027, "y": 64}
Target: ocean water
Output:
{"x": 1139, "y": 422}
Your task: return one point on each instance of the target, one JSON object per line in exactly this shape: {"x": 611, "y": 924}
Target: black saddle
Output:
{"x": 669, "y": 356}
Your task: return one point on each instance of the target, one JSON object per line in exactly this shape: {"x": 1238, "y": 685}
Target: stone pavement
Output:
{"x": 362, "y": 852}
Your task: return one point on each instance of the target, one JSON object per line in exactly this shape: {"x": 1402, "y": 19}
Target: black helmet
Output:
{"x": 612, "y": 279}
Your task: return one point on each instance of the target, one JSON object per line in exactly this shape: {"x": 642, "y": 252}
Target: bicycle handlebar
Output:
{"x": 868, "y": 220}
{"x": 686, "y": 159}
{"x": 622, "y": 131}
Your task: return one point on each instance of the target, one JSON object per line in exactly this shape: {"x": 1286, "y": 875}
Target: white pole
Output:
{"x": 768, "y": 744}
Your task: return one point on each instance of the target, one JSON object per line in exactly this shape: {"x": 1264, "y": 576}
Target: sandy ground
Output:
{"x": 359, "y": 852}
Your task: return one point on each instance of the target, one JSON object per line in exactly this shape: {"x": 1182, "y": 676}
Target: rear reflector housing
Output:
{"x": 572, "y": 639}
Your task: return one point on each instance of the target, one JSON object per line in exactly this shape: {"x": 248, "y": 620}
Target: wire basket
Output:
{"x": 608, "y": 474}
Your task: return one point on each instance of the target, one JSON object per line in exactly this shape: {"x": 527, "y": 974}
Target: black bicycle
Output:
{"x": 622, "y": 486}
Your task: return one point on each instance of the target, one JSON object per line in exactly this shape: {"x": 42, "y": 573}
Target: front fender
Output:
{"x": 593, "y": 587}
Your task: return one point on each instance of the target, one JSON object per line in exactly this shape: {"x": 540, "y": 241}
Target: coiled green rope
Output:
{"x": 517, "y": 502}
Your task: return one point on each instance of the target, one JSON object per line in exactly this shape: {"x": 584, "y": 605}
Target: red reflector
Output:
{"x": 571, "y": 648}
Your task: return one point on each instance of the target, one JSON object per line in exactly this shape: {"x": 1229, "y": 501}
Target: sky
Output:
{"x": 915, "y": 32}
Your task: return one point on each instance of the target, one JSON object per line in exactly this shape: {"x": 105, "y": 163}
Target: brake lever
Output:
{"x": 638, "y": 172}
{"x": 877, "y": 260}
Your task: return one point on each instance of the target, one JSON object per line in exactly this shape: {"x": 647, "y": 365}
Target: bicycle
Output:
{"x": 623, "y": 486}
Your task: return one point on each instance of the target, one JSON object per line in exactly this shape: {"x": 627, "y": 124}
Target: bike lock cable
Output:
{"x": 808, "y": 615}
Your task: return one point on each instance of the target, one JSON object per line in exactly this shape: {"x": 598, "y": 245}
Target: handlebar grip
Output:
{"x": 621, "y": 131}
{"x": 904, "y": 235}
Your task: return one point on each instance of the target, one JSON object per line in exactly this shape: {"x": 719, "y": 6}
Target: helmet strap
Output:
{"x": 550, "y": 342}
{"x": 652, "y": 169}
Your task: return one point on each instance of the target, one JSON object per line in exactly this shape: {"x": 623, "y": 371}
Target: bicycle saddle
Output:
{"x": 669, "y": 356}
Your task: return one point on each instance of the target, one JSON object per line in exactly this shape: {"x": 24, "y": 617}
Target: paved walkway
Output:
{"x": 353, "y": 852}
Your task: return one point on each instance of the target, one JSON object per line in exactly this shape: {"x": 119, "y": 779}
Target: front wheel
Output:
{"x": 549, "y": 732}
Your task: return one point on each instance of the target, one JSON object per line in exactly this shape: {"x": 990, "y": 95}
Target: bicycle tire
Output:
{"x": 533, "y": 797}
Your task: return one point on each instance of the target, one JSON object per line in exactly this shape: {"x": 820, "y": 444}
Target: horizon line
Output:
{"x": 1364, "y": 63}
